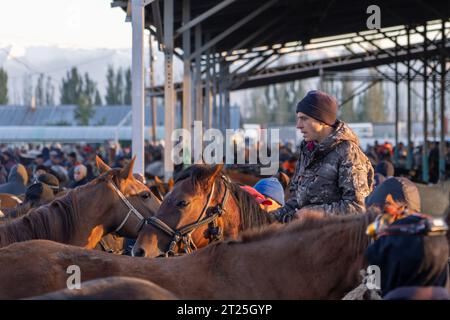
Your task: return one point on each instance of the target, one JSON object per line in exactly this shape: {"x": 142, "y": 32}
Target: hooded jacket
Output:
{"x": 334, "y": 176}
{"x": 17, "y": 181}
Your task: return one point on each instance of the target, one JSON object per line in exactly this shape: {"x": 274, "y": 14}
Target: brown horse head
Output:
{"x": 137, "y": 195}
{"x": 202, "y": 207}
{"x": 114, "y": 202}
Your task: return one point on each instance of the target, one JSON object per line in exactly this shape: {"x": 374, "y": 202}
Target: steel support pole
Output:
{"x": 397, "y": 108}
{"x": 138, "y": 97}
{"x": 434, "y": 109}
{"x": 425, "y": 153}
{"x": 409, "y": 160}
{"x": 187, "y": 77}
{"x": 227, "y": 106}
{"x": 442, "y": 146}
{"x": 187, "y": 83}
{"x": 153, "y": 104}
{"x": 198, "y": 76}
{"x": 208, "y": 91}
{"x": 215, "y": 91}
{"x": 169, "y": 95}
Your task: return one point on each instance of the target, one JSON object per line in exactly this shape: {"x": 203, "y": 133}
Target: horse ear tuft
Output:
{"x": 127, "y": 171}
{"x": 101, "y": 165}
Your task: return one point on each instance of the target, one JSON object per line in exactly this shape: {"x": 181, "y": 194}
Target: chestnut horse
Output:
{"x": 202, "y": 207}
{"x": 8, "y": 201}
{"x": 112, "y": 288}
{"x": 314, "y": 257}
{"x": 114, "y": 202}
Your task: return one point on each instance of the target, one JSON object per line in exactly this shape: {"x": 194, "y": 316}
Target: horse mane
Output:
{"x": 251, "y": 213}
{"x": 38, "y": 223}
{"x": 310, "y": 221}
{"x": 319, "y": 228}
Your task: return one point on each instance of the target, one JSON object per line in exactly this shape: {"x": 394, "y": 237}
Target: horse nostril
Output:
{"x": 139, "y": 252}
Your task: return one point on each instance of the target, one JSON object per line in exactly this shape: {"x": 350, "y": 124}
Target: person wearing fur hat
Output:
{"x": 79, "y": 176}
{"x": 332, "y": 175}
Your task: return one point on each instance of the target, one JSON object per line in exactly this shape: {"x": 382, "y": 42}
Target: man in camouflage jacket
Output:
{"x": 332, "y": 175}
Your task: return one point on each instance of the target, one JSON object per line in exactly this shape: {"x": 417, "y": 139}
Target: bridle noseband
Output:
{"x": 131, "y": 210}
{"x": 184, "y": 234}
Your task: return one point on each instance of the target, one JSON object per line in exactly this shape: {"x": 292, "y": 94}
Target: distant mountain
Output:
{"x": 56, "y": 61}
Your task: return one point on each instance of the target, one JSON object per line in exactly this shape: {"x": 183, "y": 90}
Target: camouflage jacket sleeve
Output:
{"x": 355, "y": 180}
{"x": 291, "y": 205}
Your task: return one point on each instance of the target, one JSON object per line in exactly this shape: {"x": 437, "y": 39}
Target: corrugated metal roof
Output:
{"x": 59, "y": 115}
{"x": 71, "y": 133}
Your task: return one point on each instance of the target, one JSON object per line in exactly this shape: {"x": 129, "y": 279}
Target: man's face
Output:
{"x": 39, "y": 160}
{"x": 309, "y": 127}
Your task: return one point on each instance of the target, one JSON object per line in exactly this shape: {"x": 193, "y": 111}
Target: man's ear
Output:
{"x": 127, "y": 171}
{"x": 101, "y": 165}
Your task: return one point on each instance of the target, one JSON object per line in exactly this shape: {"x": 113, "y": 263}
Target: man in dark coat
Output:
{"x": 333, "y": 174}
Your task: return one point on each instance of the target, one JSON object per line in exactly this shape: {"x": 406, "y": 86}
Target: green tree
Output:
{"x": 49, "y": 92}
{"x": 111, "y": 97}
{"x": 89, "y": 89}
{"x": 27, "y": 88}
{"x": 98, "y": 99}
{"x": 71, "y": 87}
{"x": 347, "y": 111}
{"x": 127, "y": 93}
{"x": 3, "y": 86}
{"x": 372, "y": 107}
{"x": 84, "y": 111}
{"x": 119, "y": 87}
{"x": 39, "y": 91}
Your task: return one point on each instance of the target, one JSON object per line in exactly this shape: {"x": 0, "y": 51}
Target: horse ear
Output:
{"x": 217, "y": 169}
{"x": 390, "y": 200}
{"x": 158, "y": 180}
{"x": 127, "y": 171}
{"x": 101, "y": 165}
{"x": 170, "y": 184}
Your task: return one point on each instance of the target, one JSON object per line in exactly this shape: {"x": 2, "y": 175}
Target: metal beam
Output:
{"x": 153, "y": 104}
{"x": 409, "y": 159}
{"x": 233, "y": 28}
{"x": 156, "y": 12}
{"x": 187, "y": 77}
{"x": 203, "y": 16}
{"x": 138, "y": 96}
{"x": 425, "y": 167}
{"x": 442, "y": 146}
{"x": 169, "y": 93}
{"x": 198, "y": 76}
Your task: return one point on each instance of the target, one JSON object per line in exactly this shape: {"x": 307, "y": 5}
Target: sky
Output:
{"x": 63, "y": 23}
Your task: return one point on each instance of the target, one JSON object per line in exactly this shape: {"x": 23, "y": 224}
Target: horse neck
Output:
{"x": 322, "y": 263}
{"x": 69, "y": 219}
{"x": 54, "y": 221}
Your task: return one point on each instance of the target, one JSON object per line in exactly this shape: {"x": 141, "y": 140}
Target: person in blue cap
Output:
{"x": 272, "y": 189}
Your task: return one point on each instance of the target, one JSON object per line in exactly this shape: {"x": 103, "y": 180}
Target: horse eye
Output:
{"x": 145, "y": 195}
{"x": 182, "y": 204}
